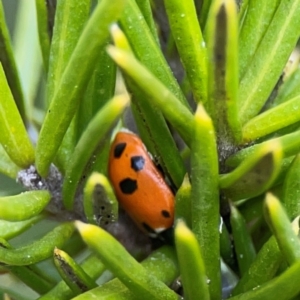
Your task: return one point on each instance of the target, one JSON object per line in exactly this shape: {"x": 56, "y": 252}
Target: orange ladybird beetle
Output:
{"x": 139, "y": 186}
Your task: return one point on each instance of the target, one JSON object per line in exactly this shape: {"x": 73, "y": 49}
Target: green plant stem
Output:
{"x": 69, "y": 14}
{"x": 38, "y": 250}
{"x": 146, "y": 48}
{"x": 165, "y": 269}
{"x": 13, "y": 137}
{"x": 222, "y": 39}
{"x": 156, "y": 134}
{"x": 27, "y": 53}
{"x": 183, "y": 208}
{"x": 88, "y": 147}
{"x": 145, "y": 8}
{"x": 31, "y": 279}
{"x": 289, "y": 89}
{"x": 69, "y": 92}
{"x": 279, "y": 222}
{"x": 23, "y": 206}
{"x": 91, "y": 265}
{"x": 151, "y": 124}
{"x": 72, "y": 273}
{"x": 191, "y": 264}
{"x": 99, "y": 201}
{"x": 205, "y": 197}
{"x": 258, "y": 17}
{"x": 205, "y": 6}
{"x": 123, "y": 265}
{"x": 7, "y": 167}
{"x": 272, "y": 120}
{"x": 255, "y": 174}
{"x": 290, "y": 144}
{"x": 263, "y": 268}
{"x": 242, "y": 10}
{"x": 226, "y": 249}
{"x": 276, "y": 46}
{"x": 100, "y": 89}
{"x": 291, "y": 189}
{"x": 44, "y": 38}
{"x": 27, "y": 274}
{"x": 285, "y": 287}
{"x": 9, "y": 65}
{"x": 190, "y": 44}
{"x": 175, "y": 112}
{"x": 244, "y": 247}
{"x": 12, "y": 229}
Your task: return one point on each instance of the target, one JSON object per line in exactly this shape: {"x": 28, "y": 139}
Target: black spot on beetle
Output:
{"x": 128, "y": 186}
{"x": 165, "y": 214}
{"x": 119, "y": 148}
{"x": 137, "y": 163}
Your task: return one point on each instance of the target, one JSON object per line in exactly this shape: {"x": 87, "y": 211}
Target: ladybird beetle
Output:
{"x": 140, "y": 188}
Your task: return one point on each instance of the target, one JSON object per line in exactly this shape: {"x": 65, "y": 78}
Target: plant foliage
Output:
{"x": 211, "y": 87}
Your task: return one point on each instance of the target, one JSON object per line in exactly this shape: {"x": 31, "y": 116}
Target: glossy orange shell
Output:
{"x": 140, "y": 188}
